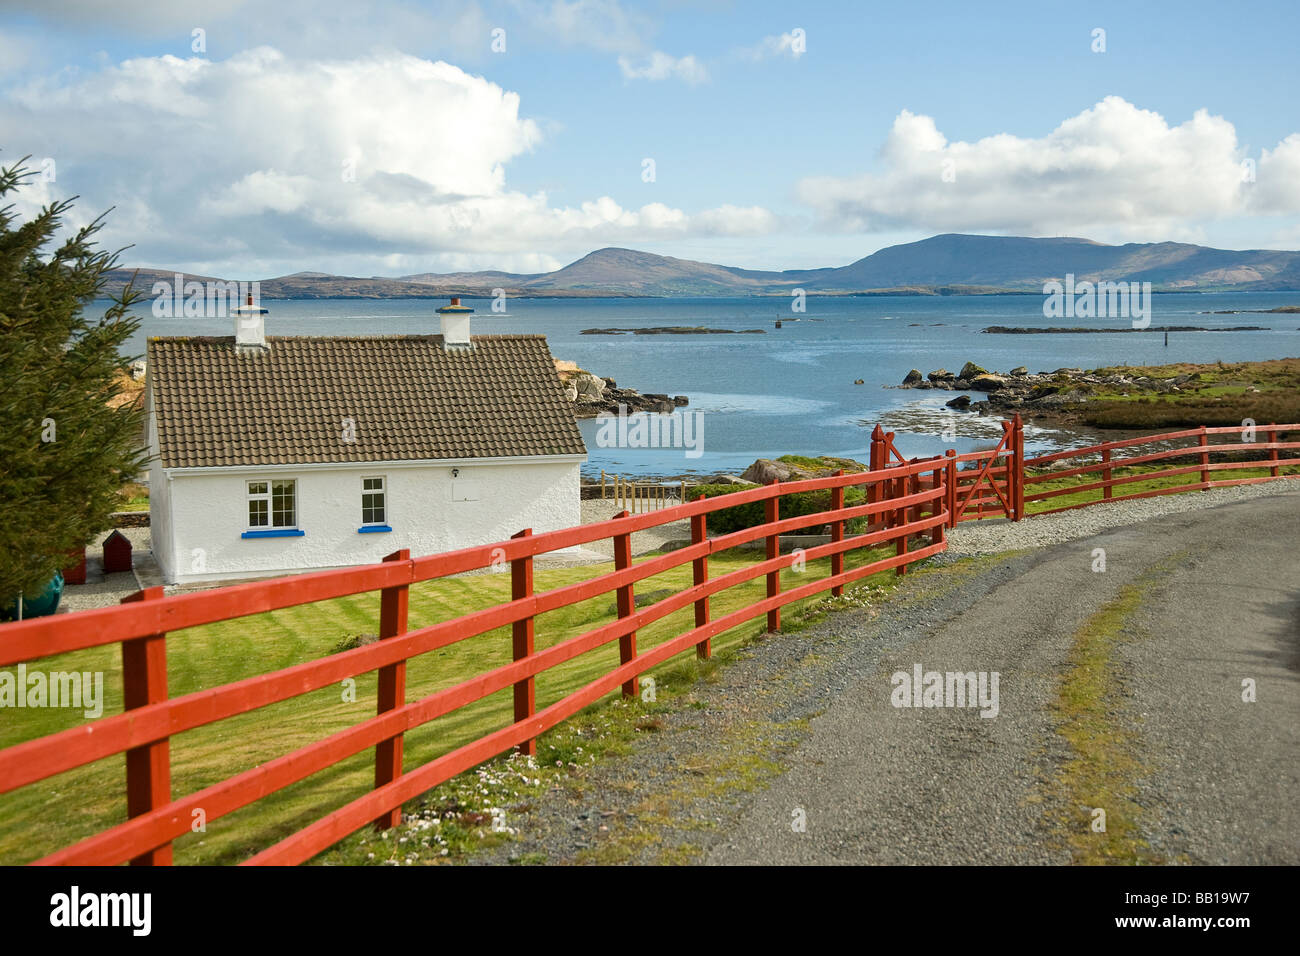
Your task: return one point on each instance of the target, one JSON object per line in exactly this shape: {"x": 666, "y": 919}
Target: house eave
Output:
{"x": 181, "y": 472}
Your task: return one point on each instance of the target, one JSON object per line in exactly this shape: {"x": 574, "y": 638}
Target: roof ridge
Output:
{"x": 396, "y": 337}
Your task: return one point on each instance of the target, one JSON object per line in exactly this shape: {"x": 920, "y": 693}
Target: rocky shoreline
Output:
{"x": 1053, "y": 394}
{"x": 592, "y": 395}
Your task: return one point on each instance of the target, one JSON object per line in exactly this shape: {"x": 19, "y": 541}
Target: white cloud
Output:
{"x": 793, "y": 44}
{"x": 1112, "y": 170}
{"x": 262, "y": 158}
{"x": 662, "y": 66}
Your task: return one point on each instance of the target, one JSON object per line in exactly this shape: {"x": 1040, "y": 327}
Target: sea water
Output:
{"x": 791, "y": 390}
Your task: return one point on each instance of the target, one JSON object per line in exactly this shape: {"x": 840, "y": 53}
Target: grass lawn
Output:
{"x": 56, "y": 812}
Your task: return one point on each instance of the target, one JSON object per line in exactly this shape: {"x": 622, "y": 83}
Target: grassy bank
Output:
{"x": 1217, "y": 394}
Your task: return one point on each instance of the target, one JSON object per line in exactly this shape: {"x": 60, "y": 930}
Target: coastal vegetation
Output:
{"x": 1214, "y": 394}
{"x": 1151, "y": 398}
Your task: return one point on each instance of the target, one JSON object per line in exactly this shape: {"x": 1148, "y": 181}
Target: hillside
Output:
{"x": 943, "y": 265}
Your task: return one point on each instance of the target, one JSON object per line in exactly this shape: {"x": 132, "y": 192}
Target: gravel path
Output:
{"x": 1213, "y": 777}
{"x": 801, "y": 724}
{"x": 993, "y": 535}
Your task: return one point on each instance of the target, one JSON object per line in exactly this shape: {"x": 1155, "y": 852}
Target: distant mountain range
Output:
{"x": 942, "y": 265}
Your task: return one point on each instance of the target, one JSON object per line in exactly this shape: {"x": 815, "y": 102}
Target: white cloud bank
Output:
{"x": 1114, "y": 169}
{"x": 261, "y": 158}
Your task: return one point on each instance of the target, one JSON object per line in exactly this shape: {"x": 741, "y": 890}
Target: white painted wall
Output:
{"x": 427, "y": 511}
{"x": 160, "y": 525}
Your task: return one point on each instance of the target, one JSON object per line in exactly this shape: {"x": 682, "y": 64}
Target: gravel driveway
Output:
{"x": 800, "y": 726}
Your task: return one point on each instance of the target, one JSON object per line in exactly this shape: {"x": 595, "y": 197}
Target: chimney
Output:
{"x": 250, "y": 327}
{"x": 455, "y": 325}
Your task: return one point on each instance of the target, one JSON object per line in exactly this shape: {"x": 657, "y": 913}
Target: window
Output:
{"x": 373, "y": 504}
{"x": 259, "y": 504}
{"x": 273, "y": 504}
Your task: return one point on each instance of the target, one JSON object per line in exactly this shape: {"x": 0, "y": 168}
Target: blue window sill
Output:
{"x": 373, "y": 529}
{"x": 276, "y": 533}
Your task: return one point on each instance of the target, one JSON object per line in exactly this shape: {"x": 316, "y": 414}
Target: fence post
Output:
{"x": 837, "y": 534}
{"x": 1018, "y": 441}
{"x": 1106, "y": 474}
{"x": 899, "y": 487}
{"x": 875, "y": 490}
{"x": 1204, "y": 442}
{"x": 772, "y": 513}
{"x": 391, "y": 690}
{"x": 626, "y": 603}
{"x": 521, "y": 586}
{"x": 602, "y": 484}
{"x": 900, "y": 543}
{"x": 148, "y": 768}
{"x": 1272, "y": 452}
{"x": 936, "y": 508}
{"x": 700, "y": 575}
{"x": 950, "y": 470}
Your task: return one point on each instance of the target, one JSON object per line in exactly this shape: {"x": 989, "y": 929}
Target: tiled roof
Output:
{"x": 408, "y": 399}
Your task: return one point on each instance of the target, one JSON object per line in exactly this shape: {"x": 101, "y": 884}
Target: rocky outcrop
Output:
{"x": 988, "y": 382}
{"x": 766, "y": 470}
{"x": 1056, "y": 394}
{"x": 913, "y": 377}
{"x": 592, "y": 395}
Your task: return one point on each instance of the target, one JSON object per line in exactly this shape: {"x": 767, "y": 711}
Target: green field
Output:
{"x": 48, "y": 815}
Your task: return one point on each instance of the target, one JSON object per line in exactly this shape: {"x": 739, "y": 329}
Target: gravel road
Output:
{"x": 1211, "y": 779}
{"x": 1215, "y": 776}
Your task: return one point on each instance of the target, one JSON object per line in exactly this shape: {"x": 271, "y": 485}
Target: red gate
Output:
{"x": 991, "y": 483}
{"x": 980, "y": 484}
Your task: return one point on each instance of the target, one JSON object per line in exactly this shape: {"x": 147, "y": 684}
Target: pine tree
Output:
{"x": 65, "y": 453}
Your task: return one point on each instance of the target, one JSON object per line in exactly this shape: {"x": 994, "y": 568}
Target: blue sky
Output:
{"x": 782, "y": 135}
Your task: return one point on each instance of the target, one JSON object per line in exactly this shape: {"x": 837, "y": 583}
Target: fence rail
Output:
{"x": 1268, "y": 456}
{"x": 903, "y": 500}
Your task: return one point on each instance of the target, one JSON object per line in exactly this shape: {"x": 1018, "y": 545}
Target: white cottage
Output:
{"x": 274, "y": 454}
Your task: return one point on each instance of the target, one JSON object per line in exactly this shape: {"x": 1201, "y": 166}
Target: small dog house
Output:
{"x": 117, "y": 553}
{"x": 75, "y": 572}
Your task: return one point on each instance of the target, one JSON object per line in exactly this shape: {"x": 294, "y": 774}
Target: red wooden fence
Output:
{"x": 1195, "y": 444}
{"x": 904, "y": 500}
{"x": 143, "y": 730}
